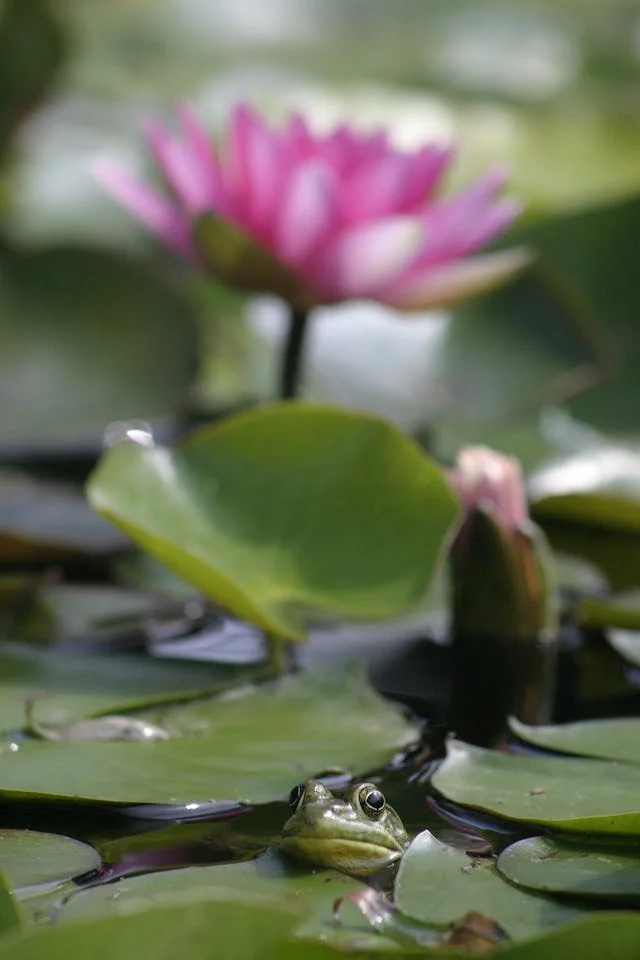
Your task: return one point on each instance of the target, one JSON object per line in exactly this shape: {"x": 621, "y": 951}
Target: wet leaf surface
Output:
{"x": 566, "y": 867}
{"x": 288, "y": 509}
{"x": 438, "y": 883}
{"x": 31, "y": 859}
{"x": 571, "y": 794}
{"x": 251, "y": 747}
{"x": 617, "y": 739}
{"x": 627, "y": 644}
{"x": 76, "y": 685}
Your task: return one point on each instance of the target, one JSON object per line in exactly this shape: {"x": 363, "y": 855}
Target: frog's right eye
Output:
{"x": 296, "y": 796}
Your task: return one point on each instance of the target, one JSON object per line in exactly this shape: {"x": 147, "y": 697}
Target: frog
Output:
{"x": 114, "y": 727}
{"x": 358, "y": 835}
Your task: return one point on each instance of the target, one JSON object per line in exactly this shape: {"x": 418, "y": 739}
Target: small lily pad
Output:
{"x": 287, "y": 511}
{"x": 570, "y": 794}
{"x": 30, "y": 859}
{"x": 252, "y": 747}
{"x": 617, "y": 739}
{"x": 438, "y": 884}
{"x": 561, "y": 866}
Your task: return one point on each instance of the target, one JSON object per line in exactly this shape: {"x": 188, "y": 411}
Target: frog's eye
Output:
{"x": 372, "y": 801}
{"x": 296, "y": 796}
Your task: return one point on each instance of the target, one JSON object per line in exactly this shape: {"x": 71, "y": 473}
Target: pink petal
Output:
{"x": 376, "y": 189}
{"x": 204, "y": 158}
{"x": 425, "y": 169}
{"x": 255, "y": 170}
{"x": 162, "y": 217}
{"x": 450, "y": 284}
{"x": 182, "y": 175}
{"x": 306, "y": 212}
{"x": 365, "y": 259}
{"x": 494, "y": 222}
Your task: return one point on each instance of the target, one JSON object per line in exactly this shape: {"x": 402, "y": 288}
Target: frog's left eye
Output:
{"x": 372, "y": 801}
{"x": 296, "y": 796}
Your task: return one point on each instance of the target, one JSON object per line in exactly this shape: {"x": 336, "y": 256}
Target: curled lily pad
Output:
{"x": 30, "y": 859}
{"x": 438, "y": 884}
{"x": 627, "y": 644}
{"x": 253, "y": 746}
{"x": 288, "y": 509}
{"x": 568, "y": 867}
{"x": 570, "y": 794}
{"x": 617, "y": 739}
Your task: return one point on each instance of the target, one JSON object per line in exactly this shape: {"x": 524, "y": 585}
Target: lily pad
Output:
{"x": 286, "y": 509}
{"x": 620, "y": 610}
{"x": 228, "y": 923}
{"x": 617, "y": 739}
{"x": 30, "y": 859}
{"x": 11, "y": 916}
{"x": 570, "y": 794}
{"x": 438, "y": 884}
{"x": 270, "y": 874}
{"x": 252, "y": 748}
{"x": 560, "y": 866}
{"x": 78, "y": 685}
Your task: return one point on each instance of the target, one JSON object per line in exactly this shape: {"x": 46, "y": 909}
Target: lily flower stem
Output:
{"x": 280, "y": 659}
{"x": 293, "y": 351}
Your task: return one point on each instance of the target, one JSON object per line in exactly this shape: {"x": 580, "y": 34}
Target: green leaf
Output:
{"x": 270, "y": 874}
{"x": 88, "y": 337}
{"x": 216, "y": 923}
{"x": 608, "y": 739}
{"x": 627, "y": 644}
{"x": 575, "y": 795}
{"x": 438, "y": 884}
{"x": 32, "y": 48}
{"x": 562, "y": 866}
{"x": 11, "y": 916}
{"x": 30, "y": 859}
{"x": 621, "y": 610}
{"x": 287, "y": 509}
{"x": 78, "y": 685}
{"x": 252, "y": 748}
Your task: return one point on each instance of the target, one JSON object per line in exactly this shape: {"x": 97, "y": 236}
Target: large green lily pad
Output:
{"x": 438, "y": 884}
{"x": 617, "y": 739}
{"x": 560, "y": 866}
{"x": 30, "y": 859}
{"x": 216, "y": 922}
{"x": 570, "y": 794}
{"x": 270, "y": 874}
{"x": 253, "y": 747}
{"x": 286, "y": 509}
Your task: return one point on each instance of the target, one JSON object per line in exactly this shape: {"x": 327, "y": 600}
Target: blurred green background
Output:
{"x": 97, "y": 323}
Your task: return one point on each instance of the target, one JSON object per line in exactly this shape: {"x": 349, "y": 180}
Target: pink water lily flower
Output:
{"x": 493, "y": 481}
{"x": 321, "y": 219}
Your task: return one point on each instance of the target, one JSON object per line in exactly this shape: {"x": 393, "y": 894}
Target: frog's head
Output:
{"x": 358, "y": 835}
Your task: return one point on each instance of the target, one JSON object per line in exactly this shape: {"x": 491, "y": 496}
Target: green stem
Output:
{"x": 292, "y": 360}
{"x": 280, "y": 659}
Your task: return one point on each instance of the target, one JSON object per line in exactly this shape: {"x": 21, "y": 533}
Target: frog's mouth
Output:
{"x": 358, "y": 857}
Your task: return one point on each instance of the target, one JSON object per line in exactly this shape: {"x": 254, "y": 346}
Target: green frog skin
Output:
{"x": 359, "y": 835}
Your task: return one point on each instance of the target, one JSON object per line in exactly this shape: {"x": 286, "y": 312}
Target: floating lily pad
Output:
{"x": 228, "y": 923}
{"x": 30, "y": 859}
{"x": 286, "y": 509}
{"x": 270, "y": 873}
{"x": 576, "y": 795}
{"x": 617, "y": 739}
{"x": 253, "y": 747}
{"x": 76, "y": 685}
{"x": 11, "y": 915}
{"x": 560, "y": 866}
{"x": 438, "y": 884}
